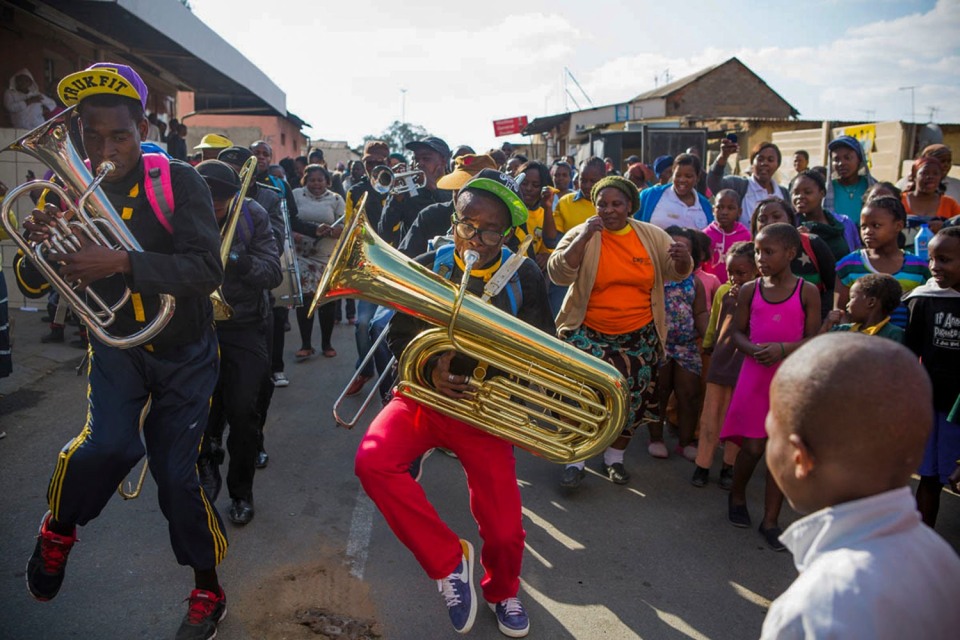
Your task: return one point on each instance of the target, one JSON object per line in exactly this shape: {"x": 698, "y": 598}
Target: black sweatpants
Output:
{"x": 243, "y": 364}
{"x": 170, "y": 393}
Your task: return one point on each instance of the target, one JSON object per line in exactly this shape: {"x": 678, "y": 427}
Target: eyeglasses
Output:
{"x": 465, "y": 230}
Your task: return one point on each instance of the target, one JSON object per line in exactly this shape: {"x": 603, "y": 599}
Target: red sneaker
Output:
{"x": 206, "y": 610}
{"x": 46, "y": 567}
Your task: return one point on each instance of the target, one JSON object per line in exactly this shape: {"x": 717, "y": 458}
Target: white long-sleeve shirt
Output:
{"x": 868, "y": 569}
{"x": 23, "y": 115}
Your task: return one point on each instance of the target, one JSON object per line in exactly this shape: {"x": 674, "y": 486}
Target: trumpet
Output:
{"x": 551, "y": 398}
{"x": 89, "y": 214}
{"x": 387, "y": 181}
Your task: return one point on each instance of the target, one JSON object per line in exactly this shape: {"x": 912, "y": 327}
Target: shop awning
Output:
{"x": 167, "y": 40}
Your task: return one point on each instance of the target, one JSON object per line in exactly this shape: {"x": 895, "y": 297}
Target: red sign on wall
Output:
{"x": 509, "y": 126}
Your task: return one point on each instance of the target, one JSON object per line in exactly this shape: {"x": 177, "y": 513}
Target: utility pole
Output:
{"x": 403, "y": 106}
{"x": 913, "y": 110}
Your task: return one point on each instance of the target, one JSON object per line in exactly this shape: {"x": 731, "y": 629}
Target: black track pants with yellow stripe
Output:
{"x": 170, "y": 395}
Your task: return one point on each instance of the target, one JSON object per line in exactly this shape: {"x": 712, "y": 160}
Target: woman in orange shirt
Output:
{"x": 926, "y": 198}
{"x": 614, "y": 309}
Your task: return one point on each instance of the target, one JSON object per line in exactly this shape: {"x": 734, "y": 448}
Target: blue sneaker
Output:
{"x": 457, "y": 591}
{"x": 511, "y": 617}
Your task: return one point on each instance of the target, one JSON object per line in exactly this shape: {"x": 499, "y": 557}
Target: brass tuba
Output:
{"x": 555, "y": 400}
{"x": 90, "y": 214}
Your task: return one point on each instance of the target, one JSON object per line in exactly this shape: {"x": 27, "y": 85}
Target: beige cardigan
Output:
{"x": 654, "y": 239}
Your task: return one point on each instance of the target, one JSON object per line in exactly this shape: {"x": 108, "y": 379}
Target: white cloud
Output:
{"x": 862, "y": 70}
{"x": 342, "y": 65}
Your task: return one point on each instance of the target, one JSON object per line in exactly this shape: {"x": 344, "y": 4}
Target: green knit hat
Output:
{"x": 617, "y": 182}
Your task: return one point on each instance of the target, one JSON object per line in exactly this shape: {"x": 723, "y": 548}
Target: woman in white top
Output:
{"x": 316, "y": 204}
{"x": 765, "y": 159}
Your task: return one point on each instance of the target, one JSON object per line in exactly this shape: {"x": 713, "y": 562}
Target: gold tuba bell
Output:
{"x": 554, "y": 401}
{"x": 90, "y": 214}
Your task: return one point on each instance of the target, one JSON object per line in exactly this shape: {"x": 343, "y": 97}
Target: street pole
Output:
{"x": 403, "y": 105}
{"x": 913, "y": 110}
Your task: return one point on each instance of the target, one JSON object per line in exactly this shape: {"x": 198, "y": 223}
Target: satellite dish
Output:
{"x": 929, "y": 134}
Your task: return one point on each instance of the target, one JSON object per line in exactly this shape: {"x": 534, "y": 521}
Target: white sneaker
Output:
{"x": 280, "y": 379}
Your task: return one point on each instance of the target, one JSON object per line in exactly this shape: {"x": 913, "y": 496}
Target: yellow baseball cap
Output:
{"x": 103, "y": 77}
{"x": 214, "y": 141}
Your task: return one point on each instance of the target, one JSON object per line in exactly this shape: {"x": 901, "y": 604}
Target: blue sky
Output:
{"x": 342, "y": 65}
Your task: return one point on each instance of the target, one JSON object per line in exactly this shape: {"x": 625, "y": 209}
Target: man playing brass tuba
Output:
{"x": 165, "y": 383}
{"x": 486, "y": 210}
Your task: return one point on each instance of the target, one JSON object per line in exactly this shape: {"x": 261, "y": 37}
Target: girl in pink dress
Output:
{"x": 775, "y": 315}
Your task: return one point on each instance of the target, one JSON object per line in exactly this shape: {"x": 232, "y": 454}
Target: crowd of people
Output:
{"x": 694, "y": 283}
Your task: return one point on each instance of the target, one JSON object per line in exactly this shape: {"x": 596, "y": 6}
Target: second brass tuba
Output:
{"x": 555, "y": 400}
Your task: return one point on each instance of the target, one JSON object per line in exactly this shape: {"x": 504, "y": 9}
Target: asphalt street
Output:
{"x": 653, "y": 559}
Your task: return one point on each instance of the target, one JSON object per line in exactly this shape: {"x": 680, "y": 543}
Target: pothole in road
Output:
{"x": 318, "y": 600}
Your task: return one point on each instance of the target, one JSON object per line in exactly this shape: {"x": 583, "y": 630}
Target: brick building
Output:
{"x": 725, "y": 90}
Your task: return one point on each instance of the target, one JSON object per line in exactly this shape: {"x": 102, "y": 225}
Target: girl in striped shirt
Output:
{"x": 881, "y": 221}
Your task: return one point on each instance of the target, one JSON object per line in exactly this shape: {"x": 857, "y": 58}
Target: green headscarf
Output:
{"x": 622, "y": 184}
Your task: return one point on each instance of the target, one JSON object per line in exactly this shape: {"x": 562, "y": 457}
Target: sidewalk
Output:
{"x": 33, "y": 360}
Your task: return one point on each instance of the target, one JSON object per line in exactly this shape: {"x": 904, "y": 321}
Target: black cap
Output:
{"x": 432, "y": 143}
{"x": 235, "y": 156}
{"x": 632, "y": 159}
{"x": 220, "y": 177}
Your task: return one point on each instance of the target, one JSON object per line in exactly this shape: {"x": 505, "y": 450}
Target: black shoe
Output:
{"x": 241, "y": 511}
{"x": 737, "y": 513}
{"x": 616, "y": 472}
{"x": 210, "y": 479}
{"x": 206, "y": 610}
{"x": 572, "y": 477}
{"x": 262, "y": 460}
{"x": 772, "y": 537}
{"x": 726, "y": 477}
{"x": 48, "y": 563}
{"x": 55, "y": 335}
{"x": 79, "y": 343}
{"x": 46, "y": 319}
{"x": 700, "y": 477}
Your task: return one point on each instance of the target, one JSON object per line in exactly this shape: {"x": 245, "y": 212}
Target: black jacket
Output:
{"x": 185, "y": 263}
{"x": 374, "y": 205}
{"x": 253, "y": 268}
{"x": 534, "y": 309}
{"x": 399, "y": 213}
{"x": 431, "y": 222}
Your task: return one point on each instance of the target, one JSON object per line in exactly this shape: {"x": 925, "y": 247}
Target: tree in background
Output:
{"x": 398, "y": 134}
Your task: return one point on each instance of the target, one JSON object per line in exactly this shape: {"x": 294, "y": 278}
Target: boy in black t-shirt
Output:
{"x": 933, "y": 333}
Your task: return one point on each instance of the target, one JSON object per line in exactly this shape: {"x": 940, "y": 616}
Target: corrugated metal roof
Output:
{"x": 166, "y": 39}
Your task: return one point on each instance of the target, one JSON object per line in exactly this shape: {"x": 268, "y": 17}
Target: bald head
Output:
{"x": 861, "y": 403}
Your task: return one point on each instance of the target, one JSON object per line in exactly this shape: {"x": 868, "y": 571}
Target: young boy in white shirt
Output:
{"x": 845, "y": 436}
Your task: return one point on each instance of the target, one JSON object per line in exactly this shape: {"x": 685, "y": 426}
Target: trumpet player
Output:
{"x": 487, "y": 210}
{"x": 252, "y": 268}
{"x": 165, "y": 384}
{"x": 432, "y": 156}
